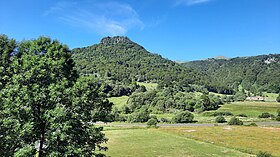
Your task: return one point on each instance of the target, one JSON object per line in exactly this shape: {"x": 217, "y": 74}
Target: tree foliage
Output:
{"x": 235, "y": 121}
{"x": 152, "y": 122}
{"x": 220, "y": 119}
{"x": 45, "y": 106}
{"x": 183, "y": 117}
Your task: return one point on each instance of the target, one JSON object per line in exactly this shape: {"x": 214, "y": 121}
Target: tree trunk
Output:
{"x": 42, "y": 139}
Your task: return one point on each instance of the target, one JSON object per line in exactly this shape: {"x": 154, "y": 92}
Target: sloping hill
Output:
{"x": 257, "y": 73}
{"x": 120, "y": 58}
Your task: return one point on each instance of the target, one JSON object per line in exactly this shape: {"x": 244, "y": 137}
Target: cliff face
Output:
{"x": 115, "y": 40}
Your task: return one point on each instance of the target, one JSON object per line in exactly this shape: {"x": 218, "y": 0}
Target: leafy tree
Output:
{"x": 141, "y": 115}
{"x": 235, "y": 121}
{"x": 152, "y": 122}
{"x": 45, "y": 106}
{"x": 183, "y": 117}
{"x": 239, "y": 96}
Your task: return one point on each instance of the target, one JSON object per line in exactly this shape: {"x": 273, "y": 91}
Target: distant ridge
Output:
{"x": 252, "y": 73}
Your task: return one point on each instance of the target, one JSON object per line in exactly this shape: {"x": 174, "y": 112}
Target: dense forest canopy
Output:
{"x": 118, "y": 58}
{"x": 121, "y": 59}
{"x": 255, "y": 74}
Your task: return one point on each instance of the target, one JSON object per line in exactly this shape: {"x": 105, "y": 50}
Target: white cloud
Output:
{"x": 105, "y": 18}
{"x": 191, "y": 2}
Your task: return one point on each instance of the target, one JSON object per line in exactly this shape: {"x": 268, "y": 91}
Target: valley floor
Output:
{"x": 192, "y": 141}
{"x": 159, "y": 143}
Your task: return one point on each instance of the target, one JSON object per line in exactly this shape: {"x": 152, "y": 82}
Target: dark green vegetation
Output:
{"x": 183, "y": 117}
{"x": 120, "y": 59}
{"x": 152, "y": 122}
{"x": 220, "y": 119}
{"x": 264, "y": 154}
{"x": 255, "y": 74}
{"x": 278, "y": 98}
{"x": 45, "y": 107}
{"x": 235, "y": 121}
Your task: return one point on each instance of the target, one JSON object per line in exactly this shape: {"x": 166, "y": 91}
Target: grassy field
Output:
{"x": 119, "y": 101}
{"x": 270, "y": 96}
{"x": 159, "y": 143}
{"x": 149, "y": 86}
{"x": 198, "y": 141}
{"x": 245, "y": 139}
{"x": 251, "y": 109}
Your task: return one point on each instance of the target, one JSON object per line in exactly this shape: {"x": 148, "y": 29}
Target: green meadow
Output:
{"x": 251, "y": 109}
{"x": 158, "y": 143}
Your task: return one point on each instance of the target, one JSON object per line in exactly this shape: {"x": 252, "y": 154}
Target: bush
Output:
{"x": 278, "y": 115}
{"x": 235, "y": 121}
{"x": 152, "y": 122}
{"x": 183, "y": 117}
{"x": 220, "y": 113}
{"x": 266, "y": 115}
{"x": 278, "y": 98}
{"x": 264, "y": 154}
{"x": 252, "y": 124}
{"x": 242, "y": 115}
{"x": 220, "y": 119}
{"x": 164, "y": 120}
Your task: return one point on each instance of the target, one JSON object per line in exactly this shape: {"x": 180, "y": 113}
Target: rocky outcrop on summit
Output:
{"x": 115, "y": 40}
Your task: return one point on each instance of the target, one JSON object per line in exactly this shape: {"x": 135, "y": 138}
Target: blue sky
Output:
{"x": 177, "y": 29}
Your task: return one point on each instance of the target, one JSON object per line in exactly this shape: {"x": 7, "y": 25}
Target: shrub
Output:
{"x": 278, "y": 98}
{"x": 264, "y": 154}
{"x": 266, "y": 115}
{"x": 242, "y": 115}
{"x": 235, "y": 121}
{"x": 252, "y": 124}
{"x": 220, "y": 119}
{"x": 152, "y": 122}
{"x": 183, "y": 117}
{"x": 278, "y": 112}
{"x": 164, "y": 120}
{"x": 278, "y": 115}
{"x": 220, "y": 113}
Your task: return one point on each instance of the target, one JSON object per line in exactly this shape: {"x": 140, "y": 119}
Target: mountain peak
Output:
{"x": 115, "y": 40}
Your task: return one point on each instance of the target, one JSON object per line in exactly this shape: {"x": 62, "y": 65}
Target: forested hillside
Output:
{"x": 119, "y": 58}
{"x": 255, "y": 74}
